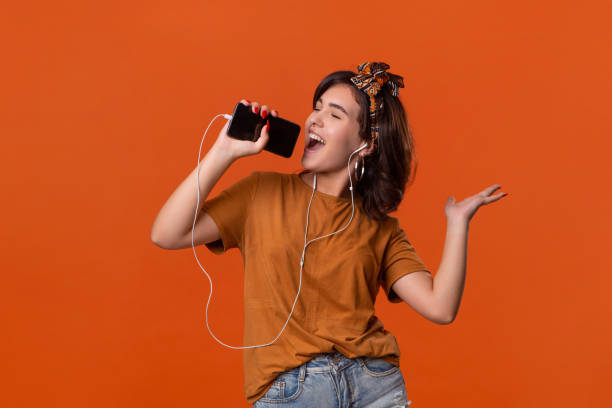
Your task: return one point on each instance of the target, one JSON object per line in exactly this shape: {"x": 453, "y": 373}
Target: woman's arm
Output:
{"x": 175, "y": 219}
{"x": 449, "y": 281}
{"x": 438, "y": 298}
{"x": 172, "y": 226}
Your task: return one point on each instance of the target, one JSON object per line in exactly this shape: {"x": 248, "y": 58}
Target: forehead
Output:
{"x": 341, "y": 95}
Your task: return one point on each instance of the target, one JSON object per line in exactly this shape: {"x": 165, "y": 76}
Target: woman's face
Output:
{"x": 334, "y": 119}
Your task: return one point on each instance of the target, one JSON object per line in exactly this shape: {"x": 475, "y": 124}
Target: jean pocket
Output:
{"x": 287, "y": 386}
{"x": 377, "y": 367}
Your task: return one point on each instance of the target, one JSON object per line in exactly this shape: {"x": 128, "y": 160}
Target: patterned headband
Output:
{"x": 370, "y": 79}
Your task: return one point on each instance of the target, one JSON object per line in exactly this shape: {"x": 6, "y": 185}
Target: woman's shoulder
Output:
{"x": 272, "y": 179}
{"x": 389, "y": 225}
{"x": 268, "y": 175}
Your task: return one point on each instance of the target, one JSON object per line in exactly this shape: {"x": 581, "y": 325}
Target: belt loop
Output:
{"x": 302, "y": 373}
{"x": 337, "y": 357}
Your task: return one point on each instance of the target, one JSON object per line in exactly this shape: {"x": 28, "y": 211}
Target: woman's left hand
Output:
{"x": 465, "y": 210}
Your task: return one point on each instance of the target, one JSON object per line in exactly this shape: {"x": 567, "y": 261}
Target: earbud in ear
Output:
{"x": 361, "y": 148}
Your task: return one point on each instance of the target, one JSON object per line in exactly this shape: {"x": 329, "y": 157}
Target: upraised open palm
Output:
{"x": 465, "y": 210}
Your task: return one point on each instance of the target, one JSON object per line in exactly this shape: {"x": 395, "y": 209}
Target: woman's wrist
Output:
{"x": 222, "y": 154}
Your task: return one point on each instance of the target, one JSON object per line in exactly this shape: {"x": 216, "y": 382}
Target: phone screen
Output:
{"x": 246, "y": 125}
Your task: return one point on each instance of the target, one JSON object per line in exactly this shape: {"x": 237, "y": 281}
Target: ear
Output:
{"x": 368, "y": 150}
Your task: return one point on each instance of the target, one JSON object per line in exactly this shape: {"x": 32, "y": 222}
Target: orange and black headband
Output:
{"x": 370, "y": 79}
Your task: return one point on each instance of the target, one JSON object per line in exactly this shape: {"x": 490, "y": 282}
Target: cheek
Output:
{"x": 344, "y": 136}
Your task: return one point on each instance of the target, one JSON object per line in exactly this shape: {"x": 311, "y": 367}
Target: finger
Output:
{"x": 264, "y": 111}
{"x": 263, "y": 136}
{"x": 489, "y": 190}
{"x": 245, "y": 102}
{"x": 274, "y": 113}
{"x": 494, "y": 198}
{"x": 255, "y": 107}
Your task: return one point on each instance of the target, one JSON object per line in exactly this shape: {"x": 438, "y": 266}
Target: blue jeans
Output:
{"x": 332, "y": 380}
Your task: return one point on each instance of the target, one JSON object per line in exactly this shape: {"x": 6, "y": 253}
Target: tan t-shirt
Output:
{"x": 264, "y": 216}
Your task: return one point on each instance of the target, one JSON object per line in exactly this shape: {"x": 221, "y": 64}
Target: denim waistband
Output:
{"x": 324, "y": 363}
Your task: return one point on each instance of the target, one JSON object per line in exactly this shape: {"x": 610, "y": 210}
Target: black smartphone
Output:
{"x": 246, "y": 125}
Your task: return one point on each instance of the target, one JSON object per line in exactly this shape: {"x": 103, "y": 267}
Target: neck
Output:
{"x": 332, "y": 183}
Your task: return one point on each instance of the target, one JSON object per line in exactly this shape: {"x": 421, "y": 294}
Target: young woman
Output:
{"x": 318, "y": 245}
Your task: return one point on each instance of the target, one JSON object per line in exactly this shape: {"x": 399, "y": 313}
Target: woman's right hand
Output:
{"x": 239, "y": 148}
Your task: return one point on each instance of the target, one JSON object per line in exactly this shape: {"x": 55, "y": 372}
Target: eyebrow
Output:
{"x": 335, "y": 105}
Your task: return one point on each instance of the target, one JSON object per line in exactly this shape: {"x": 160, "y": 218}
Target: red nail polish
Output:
{"x": 264, "y": 114}
{"x": 268, "y": 126}
{"x": 247, "y": 100}
{"x": 256, "y": 109}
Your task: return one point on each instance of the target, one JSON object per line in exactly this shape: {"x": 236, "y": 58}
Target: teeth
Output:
{"x": 315, "y": 137}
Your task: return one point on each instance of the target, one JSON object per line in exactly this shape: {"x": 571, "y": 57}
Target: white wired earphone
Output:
{"x": 314, "y": 187}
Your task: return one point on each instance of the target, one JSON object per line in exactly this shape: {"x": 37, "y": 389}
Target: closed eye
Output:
{"x": 335, "y": 116}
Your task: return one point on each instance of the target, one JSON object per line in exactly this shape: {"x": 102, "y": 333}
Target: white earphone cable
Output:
{"x": 314, "y": 187}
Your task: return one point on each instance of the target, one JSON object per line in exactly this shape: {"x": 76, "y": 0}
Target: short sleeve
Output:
{"x": 400, "y": 259}
{"x": 230, "y": 210}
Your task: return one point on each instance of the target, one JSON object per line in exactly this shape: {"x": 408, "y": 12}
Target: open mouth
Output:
{"x": 314, "y": 144}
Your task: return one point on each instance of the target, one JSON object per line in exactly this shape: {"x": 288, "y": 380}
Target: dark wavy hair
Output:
{"x": 391, "y": 166}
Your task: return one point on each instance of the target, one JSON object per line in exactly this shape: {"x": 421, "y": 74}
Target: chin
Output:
{"x": 306, "y": 167}
{"x": 310, "y": 164}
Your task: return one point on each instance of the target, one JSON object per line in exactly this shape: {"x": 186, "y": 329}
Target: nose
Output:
{"x": 315, "y": 118}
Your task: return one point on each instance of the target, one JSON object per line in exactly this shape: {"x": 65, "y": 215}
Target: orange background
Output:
{"x": 103, "y": 111}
